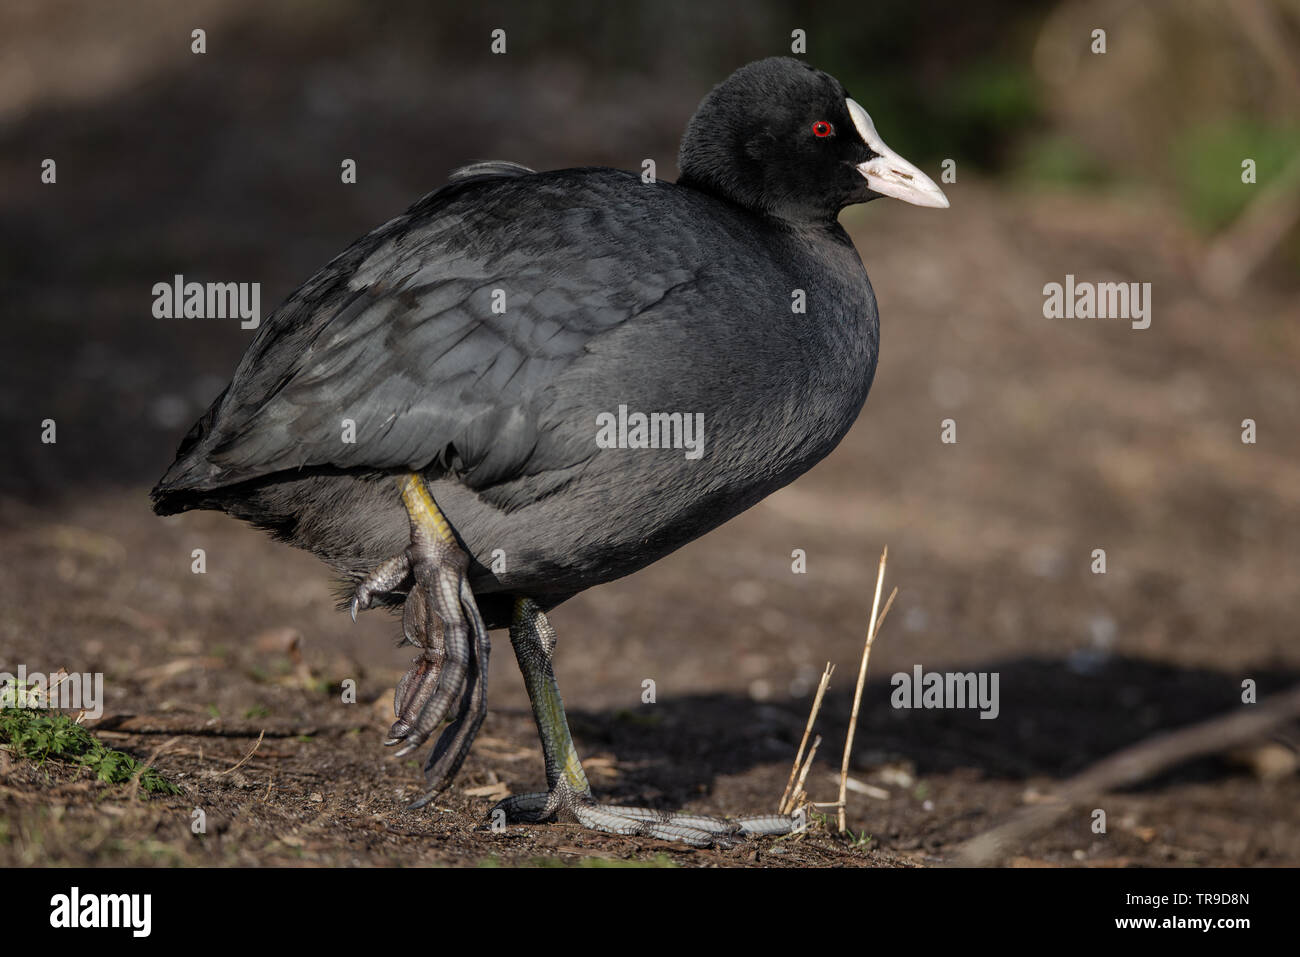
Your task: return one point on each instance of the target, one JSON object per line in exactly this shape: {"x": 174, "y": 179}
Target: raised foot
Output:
{"x": 700, "y": 830}
{"x": 441, "y": 618}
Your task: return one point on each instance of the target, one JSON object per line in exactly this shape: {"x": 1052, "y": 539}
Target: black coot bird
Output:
{"x": 532, "y": 383}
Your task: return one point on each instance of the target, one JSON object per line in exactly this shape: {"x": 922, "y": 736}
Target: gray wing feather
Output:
{"x": 399, "y": 335}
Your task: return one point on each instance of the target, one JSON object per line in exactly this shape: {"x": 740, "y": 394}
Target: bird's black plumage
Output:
{"x": 659, "y": 297}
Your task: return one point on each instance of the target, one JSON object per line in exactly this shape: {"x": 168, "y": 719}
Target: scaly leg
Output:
{"x": 440, "y": 617}
{"x": 569, "y": 795}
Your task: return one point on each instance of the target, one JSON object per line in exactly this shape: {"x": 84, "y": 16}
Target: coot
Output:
{"x": 530, "y": 383}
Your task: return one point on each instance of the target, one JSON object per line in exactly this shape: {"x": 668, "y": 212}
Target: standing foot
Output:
{"x": 700, "y": 830}
{"x": 569, "y": 797}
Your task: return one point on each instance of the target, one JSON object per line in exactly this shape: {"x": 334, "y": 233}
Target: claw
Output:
{"x": 385, "y": 578}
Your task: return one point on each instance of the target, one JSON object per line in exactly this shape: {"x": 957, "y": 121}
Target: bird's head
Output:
{"x": 783, "y": 138}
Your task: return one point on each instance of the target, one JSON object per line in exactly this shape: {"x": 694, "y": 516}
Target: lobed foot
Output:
{"x": 700, "y": 830}
{"x": 441, "y": 618}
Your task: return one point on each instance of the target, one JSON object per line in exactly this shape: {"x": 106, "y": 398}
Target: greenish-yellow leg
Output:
{"x": 533, "y": 639}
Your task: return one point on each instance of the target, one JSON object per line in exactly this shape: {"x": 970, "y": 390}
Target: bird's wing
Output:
{"x": 427, "y": 343}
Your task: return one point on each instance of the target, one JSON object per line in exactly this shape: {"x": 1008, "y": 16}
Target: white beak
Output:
{"x": 888, "y": 173}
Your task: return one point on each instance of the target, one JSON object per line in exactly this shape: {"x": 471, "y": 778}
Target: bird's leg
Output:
{"x": 569, "y": 795}
{"x": 442, "y": 619}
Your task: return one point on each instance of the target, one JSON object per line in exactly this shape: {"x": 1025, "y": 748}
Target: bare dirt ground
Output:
{"x": 1072, "y": 435}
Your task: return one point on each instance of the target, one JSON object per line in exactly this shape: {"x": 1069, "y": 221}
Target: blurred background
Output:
{"x": 1073, "y": 435}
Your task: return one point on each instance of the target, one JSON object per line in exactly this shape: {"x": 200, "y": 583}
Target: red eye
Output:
{"x": 822, "y": 128}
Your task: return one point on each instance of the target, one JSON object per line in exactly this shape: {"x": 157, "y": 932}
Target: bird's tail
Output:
{"x": 187, "y": 483}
